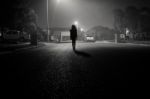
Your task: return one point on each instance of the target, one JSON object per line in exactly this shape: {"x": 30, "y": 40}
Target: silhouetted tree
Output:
{"x": 119, "y": 23}
{"x": 132, "y": 18}
{"x": 136, "y": 20}
{"x": 145, "y": 19}
{"x": 42, "y": 35}
{"x": 26, "y": 19}
{"x": 145, "y": 23}
{"x": 17, "y": 14}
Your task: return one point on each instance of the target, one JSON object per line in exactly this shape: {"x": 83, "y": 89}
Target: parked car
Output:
{"x": 24, "y": 36}
{"x": 90, "y": 38}
{"x": 16, "y": 36}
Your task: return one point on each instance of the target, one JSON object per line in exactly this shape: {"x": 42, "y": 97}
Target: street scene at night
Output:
{"x": 71, "y": 49}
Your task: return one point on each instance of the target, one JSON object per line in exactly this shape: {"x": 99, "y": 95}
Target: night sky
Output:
{"x": 89, "y": 13}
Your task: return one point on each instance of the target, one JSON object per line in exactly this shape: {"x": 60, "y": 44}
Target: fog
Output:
{"x": 88, "y": 13}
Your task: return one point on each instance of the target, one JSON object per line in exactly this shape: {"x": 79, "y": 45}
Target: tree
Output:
{"x": 132, "y": 19}
{"x": 18, "y": 14}
{"x": 119, "y": 23}
{"x": 145, "y": 19}
{"x": 136, "y": 20}
{"x": 26, "y": 19}
{"x": 145, "y": 22}
{"x": 42, "y": 35}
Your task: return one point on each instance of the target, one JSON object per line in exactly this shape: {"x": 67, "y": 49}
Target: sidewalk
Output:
{"x": 8, "y": 48}
{"x": 135, "y": 42}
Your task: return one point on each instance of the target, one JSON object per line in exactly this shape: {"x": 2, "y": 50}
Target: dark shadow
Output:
{"x": 83, "y": 54}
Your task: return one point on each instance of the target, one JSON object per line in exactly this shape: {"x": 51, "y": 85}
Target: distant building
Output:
{"x": 60, "y": 34}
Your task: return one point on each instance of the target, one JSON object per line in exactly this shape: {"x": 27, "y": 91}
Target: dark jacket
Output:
{"x": 73, "y": 33}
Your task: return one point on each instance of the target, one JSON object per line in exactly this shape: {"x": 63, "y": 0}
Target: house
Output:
{"x": 59, "y": 34}
{"x": 62, "y": 34}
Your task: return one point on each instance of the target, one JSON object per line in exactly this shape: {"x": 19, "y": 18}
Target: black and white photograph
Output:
{"x": 74, "y": 49}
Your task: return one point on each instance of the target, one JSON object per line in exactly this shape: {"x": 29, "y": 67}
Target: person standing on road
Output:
{"x": 73, "y": 36}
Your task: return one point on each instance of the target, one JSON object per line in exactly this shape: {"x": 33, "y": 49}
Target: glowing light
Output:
{"x": 127, "y": 31}
{"x": 81, "y": 29}
{"x": 58, "y": 1}
{"x": 76, "y": 23}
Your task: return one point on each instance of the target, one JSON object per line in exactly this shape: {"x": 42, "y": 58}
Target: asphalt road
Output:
{"x": 55, "y": 71}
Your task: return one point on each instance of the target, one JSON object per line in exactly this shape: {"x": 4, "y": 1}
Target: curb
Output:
{"x": 7, "y": 52}
{"x": 19, "y": 49}
{"x": 139, "y": 44}
{"x": 30, "y": 47}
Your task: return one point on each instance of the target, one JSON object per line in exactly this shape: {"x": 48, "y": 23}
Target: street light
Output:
{"x": 58, "y": 1}
{"x": 76, "y": 23}
{"x": 82, "y": 30}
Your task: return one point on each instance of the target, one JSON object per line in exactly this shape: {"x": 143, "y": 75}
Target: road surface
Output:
{"x": 55, "y": 71}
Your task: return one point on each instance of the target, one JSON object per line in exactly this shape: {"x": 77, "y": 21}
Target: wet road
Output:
{"x": 54, "y": 71}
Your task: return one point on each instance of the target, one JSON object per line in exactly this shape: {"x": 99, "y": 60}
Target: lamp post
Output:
{"x": 48, "y": 31}
{"x": 54, "y": 12}
{"x": 48, "y": 25}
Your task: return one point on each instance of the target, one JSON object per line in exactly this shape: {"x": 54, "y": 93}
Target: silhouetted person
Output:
{"x": 73, "y": 36}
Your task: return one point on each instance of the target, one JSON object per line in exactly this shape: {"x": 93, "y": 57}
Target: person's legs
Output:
{"x": 73, "y": 44}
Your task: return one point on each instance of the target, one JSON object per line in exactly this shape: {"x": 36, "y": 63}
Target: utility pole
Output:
{"x": 48, "y": 31}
